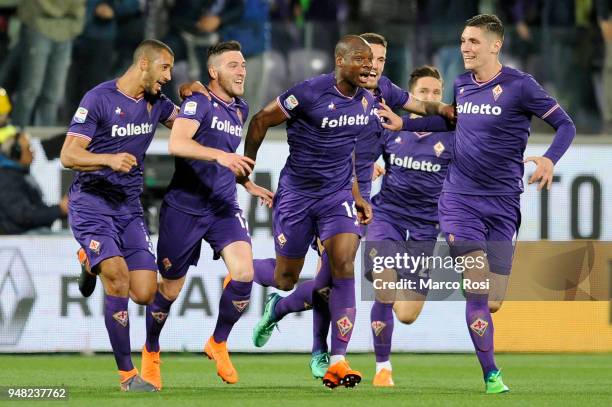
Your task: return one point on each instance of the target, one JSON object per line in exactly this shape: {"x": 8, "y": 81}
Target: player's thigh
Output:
{"x": 461, "y": 221}
{"x": 341, "y": 249}
{"x": 293, "y": 225}
{"x": 503, "y": 223}
{"x": 238, "y": 258}
{"x": 179, "y": 242}
{"x": 408, "y": 306}
{"x": 143, "y": 286}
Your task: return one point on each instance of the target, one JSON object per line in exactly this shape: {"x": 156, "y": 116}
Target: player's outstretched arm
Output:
{"x": 74, "y": 155}
{"x": 265, "y": 196}
{"x": 270, "y": 116}
{"x": 182, "y": 144}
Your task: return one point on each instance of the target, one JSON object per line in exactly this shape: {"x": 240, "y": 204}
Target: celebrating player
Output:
{"x": 106, "y": 144}
{"x": 201, "y": 203}
{"x": 479, "y": 207}
{"x": 406, "y": 209}
{"x": 323, "y": 114}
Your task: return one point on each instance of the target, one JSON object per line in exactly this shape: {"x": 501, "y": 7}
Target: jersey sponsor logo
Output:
{"x": 497, "y": 91}
{"x": 94, "y": 246}
{"x": 226, "y": 127}
{"x": 412, "y": 164}
{"x": 131, "y": 129}
{"x": 344, "y": 325}
{"x": 345, "y": 120}
{"x": 483, "y": 108}
{"x": 290, "y": 102}
{"x": 377, "y": 327}
{"x": 439, "y": 148}
{"x": 159, "y": 316}
{"x": 240, "y": 305}
{"x": 190, "y": 108}
{"x": 121, "y": 317}
{"x": 80, "y": 115}
{"x": 479, "y": 326}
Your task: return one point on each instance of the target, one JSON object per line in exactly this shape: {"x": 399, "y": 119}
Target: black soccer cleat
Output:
{"x": 87, "y": 280}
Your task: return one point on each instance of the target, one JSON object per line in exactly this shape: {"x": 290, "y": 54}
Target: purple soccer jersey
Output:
{"x": 321, "y": 131}
{"x": 204, "y": 187}
{"x": 201, "y": 201}
{"x": 493, "y": 125}
{"x": 370, "y": 143}
{"x": 416, "y": 165}
{"x": 114, "y": 123}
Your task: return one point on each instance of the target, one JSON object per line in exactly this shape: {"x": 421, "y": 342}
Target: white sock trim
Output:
{"x": 383, "y": 365}
{"x": 333, "y": 359}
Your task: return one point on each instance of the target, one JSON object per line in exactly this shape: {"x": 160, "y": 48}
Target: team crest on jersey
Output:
{"x": 291, "y": 102}
{"x": 94, "y": 246}
{"x": 80, "y": 115}
{"x": 344, "y": 325}
{"x": 479, "y": 326}
{"x": 373, "y": 252}
{"x": 377, "y": 327}
{"x": 121, "y": 317}
{"x": 159, "y": 317}
{"x": 439, "y": 148}
{"x": 190, "y": 108}
{"x": 331, "y": 106}
{"x": 281, "y": 239}
{"x": 240, "y": 305}
{"x": 364, "y": 103}
{"x": 497, "y": 90}
{"x": 166, "y": 263}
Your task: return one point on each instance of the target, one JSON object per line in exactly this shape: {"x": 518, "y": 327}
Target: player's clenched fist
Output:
{"x": 238, "y": 164}
{"x": 122, "y": 162}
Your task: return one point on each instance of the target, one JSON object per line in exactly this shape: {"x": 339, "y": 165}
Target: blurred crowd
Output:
{"x": 53, "y": 51}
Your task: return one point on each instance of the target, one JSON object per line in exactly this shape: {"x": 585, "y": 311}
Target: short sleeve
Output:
{"x": 87, "y": 116}
{"x": 535, "y": 100}
{"x": 395, "y": 97}
{"x": 194, "y": 107}
{"x": 169, "y": 110}
{"x": 295, "y": 100}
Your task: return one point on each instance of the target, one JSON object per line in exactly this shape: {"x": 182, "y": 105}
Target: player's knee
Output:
{"x": 343, "y": 268}
{"x": 116, "y": 282}
{"x": 142, "y": 296}
{"x": 286, "y": 284}
{"x": 245, "y": 275}
{"x": 170, "y": 291}
{"x": 407, "y": 316}
{"x": 494, "y": 306}
{"x": 285, "y": 279}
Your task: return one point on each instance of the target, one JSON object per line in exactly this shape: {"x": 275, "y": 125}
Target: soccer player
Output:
{"x": 479, "y": 208}
{"x": 406, "y": 209}
{"x": 201, "y": 203}
{"x": 314, "y": 293}
{"x": 324, "y": 115}
{"x": 106, "y": 144}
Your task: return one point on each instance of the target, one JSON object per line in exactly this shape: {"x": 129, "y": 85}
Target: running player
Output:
{"x": 324, "y": 114}
{"x": 479, "y": 208}
{"x": 406, "y": 209}
{"x": 201, "y": 203}
{"x": 106, "y": 144}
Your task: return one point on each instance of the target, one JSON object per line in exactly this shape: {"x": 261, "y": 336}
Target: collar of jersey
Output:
{"x": 484, "y": 83}
{"x": 233, "y": 102}
{"x": 127, "y": 96}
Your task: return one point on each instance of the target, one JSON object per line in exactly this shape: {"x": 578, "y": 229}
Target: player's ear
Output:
{"x": 212, "y": 72}
{"x": 143, "y": 63}
{"x": 339, "y": 60}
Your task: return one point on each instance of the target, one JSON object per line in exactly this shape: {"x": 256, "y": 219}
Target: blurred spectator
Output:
{"x": 285, "y": 33}
{"x": 21, "y": 205}
{"x": 130, "y": 32}
{"x": 8, "y": 8}
{"x": 193, "y": 27}
{"x": 322, "y": 22}
{"x": 96, "y": 49}
{"x": 9, "y": 53}
{"x": 604, "y": 18}
{"x": 252, "y": 31}
{"x": 48, "y": 28}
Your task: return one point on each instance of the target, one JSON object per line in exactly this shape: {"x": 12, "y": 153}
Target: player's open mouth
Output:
{"x": 363, "y": 77}
{"x": 466, "y": 58}
{"x": 239, "y": 81}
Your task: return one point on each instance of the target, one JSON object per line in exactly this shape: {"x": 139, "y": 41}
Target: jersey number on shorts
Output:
{"x": 351, "y": 211}
{"x": 243, "y": 222}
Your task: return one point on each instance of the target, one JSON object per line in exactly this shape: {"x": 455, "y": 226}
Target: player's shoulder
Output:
{"x": 103, "y": 89}
{"x": 319, "y": 83}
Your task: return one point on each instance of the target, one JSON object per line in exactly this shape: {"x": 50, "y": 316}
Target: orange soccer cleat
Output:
{"x": 383, "y": 378}
{"x": 341, "y": 374}
{"x": 218, "y": 352}
{"x": 151, "y": 367}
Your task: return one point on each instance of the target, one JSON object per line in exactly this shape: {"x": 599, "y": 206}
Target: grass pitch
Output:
{"x": 284, "y": 380}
